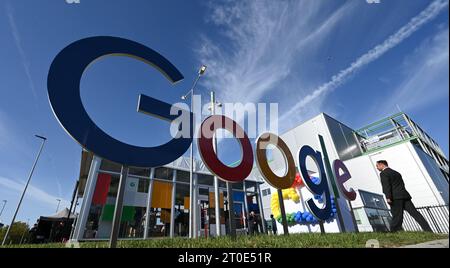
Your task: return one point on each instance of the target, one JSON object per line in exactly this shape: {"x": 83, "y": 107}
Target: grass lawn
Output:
{"x": 339, "y": 240}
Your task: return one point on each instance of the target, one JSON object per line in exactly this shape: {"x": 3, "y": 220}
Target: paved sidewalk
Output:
{"x": 443, "y": 243}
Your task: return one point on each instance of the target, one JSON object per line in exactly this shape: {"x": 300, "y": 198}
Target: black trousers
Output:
{"x": 397, "y": 208}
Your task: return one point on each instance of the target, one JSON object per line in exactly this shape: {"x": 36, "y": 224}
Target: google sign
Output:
{"x": 64, "y": 94}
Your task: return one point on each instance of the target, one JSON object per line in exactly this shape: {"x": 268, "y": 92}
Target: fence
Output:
{"x": 436, "y": 216}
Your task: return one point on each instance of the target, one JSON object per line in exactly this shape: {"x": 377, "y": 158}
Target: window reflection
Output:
{"x": 182, "y": 209}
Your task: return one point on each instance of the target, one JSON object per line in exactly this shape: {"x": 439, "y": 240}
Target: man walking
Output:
{"x": 274, "y": 224}
{"x": 398, "y": 197}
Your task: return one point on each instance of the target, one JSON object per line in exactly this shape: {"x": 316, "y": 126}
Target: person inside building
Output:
{"x": 398, "y": 197}
{"x": 253, "y": 223}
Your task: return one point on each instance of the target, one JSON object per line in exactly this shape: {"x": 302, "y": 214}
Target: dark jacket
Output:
{"x": 393, "y": 185}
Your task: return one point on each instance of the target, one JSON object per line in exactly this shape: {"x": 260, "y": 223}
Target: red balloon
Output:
{"x": 298, "y": 182}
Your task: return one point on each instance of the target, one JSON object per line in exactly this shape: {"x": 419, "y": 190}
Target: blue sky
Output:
{"x": 353, "y": 60}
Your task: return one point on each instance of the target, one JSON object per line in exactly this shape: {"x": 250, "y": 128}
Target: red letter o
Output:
{"x": 209, "y": 157}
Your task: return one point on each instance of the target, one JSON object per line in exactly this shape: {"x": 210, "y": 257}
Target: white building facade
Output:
{"x": 396, "y": 139}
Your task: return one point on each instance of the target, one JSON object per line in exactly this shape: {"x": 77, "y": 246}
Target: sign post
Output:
{"x": 283, "y": 212}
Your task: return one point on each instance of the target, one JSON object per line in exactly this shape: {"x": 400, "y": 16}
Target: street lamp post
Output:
{"x": 26, "y": 186}
{"x": 192, "y": 195}
{"x": 3, "y": 207}
{"x": 216, "y": 180}
{"x": 59, "y": 202}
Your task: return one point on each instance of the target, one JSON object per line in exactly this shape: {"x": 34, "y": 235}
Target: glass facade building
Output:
{"x": 162, "y": 195}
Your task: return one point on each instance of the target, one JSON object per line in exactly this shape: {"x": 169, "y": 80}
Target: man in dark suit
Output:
{"x": 398, "y": 198}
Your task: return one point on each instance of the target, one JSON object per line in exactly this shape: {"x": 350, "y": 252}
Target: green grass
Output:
{"x": 340, "y": 240}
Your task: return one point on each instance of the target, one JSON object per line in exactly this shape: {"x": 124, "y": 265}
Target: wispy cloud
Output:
{"x": 18, "y": 43}
{"x": 264, "y": 39}
{"x": 425, "y": 76}
{"x": 9, "y": 134}
{"x": 33, "y": 192}
{"x": 404, "y": 32}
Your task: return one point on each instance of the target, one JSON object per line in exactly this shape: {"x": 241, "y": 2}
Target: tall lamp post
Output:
{"x": 59, "y": 202}
{"x": 26, "y": 186}
{"x": 212, "y": 108}
{"x": 192, "y": 195}
{"x": 3, "y": 207}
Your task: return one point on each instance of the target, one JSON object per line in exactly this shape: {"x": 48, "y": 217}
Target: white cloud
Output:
{"x": 8, "y": 134}
{"x": 413, "y": 25}
{"x": 33, "y": 192}
{"x": 425, "y": 76}
{"x": 264, "y": 40}
{"x": 18, "y": 43}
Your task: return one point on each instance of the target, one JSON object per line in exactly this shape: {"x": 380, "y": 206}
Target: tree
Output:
{"x": 18, "y": 233}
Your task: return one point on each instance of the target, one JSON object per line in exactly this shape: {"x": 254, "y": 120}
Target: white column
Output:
{"x": 245, "y": 204}
{"x": 172, "y": 208}
{"x": 149, "y": 203}
{"x": 91, "y": 182}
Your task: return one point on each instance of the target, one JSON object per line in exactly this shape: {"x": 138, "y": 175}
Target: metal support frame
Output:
{"x": 172, "y": 207}
{"x": 91, "y": 182}
{"x": 245, "y": 205}
{"x": 261, "y": 208}
{"x": 118, "y": 208}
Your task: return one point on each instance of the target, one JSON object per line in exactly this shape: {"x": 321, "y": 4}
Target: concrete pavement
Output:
{"x": 442, "y": 243}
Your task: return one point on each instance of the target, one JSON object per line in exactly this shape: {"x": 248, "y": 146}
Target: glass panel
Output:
{"x": 376, "y": 220}
{"x": 266, "y": 192}
{"x": 164, "y": 174}
{"x": 104, "y": 195}
{"x": 239, "y": 215}
{"x": 212, "y": 213}
{"x": 252, "y": 202}
{"x": 183, "y": 176}
{"x": 343, "y": 138}
{"x": 159, "y": 224}
{"x": 114, "y": 186}
{"x": 238, "y": 186}
{"x": 222, "y": 184}
{"x": 132, "y": 222}
{"x": 182, "y": 210}
{"x": 250, "y": 186}
{"x": 143, "y": 185}
{"x": 205, "y": 212}
{"x": 204, "y": 179}
{"x": 110, "y": 166}
{"x": 203, "y": 191}
{"x": 144, "y": 172}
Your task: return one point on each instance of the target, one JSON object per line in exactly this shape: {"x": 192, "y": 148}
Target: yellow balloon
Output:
{"x": 288, "y": 194}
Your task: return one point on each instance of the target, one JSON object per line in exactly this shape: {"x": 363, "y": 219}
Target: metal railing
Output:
{"x": 436, "y": 216}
